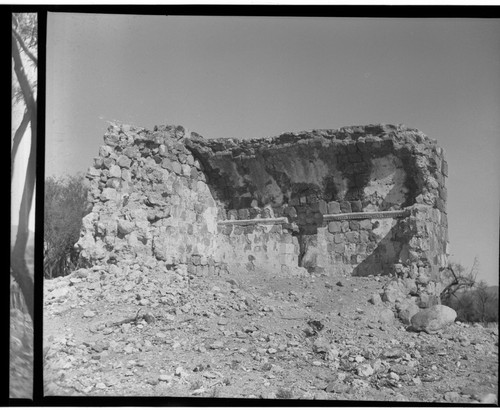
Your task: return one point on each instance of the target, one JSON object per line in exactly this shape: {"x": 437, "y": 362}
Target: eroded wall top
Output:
{"x": 384, "y": 167}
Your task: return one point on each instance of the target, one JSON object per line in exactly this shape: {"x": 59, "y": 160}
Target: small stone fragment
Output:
{"x": 321, "y": 345}
{"x": 321, "y": 396}
{"x": 386, "y": 316}
{"x": 336, "y": 387}
{"x": 359, "y": 359}
{"x": 489, "y": 398}
{"x": 452, "y": 397}
{"x": 218, "y": 344}
{"x": 393, "y": 353}
{"x": 375, "y": 299}
{"x": 365, "y": 370}
{"x": 394, "y": 376}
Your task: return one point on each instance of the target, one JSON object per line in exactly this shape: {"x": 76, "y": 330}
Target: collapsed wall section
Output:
{"x": 304, "y": 169}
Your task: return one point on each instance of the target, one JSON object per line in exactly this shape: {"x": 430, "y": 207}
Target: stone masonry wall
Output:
{"x": 272, "y": 204}
{"x": 262, "y": 247}
{"x": 149, "y": 199}
{"x": 305, "y": 176}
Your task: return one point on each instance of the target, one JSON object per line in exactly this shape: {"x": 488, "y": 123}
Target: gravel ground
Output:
{"x": 133, "y": 331}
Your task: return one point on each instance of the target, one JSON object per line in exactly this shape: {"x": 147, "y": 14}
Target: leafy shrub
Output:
{"x": 65, "y": 206}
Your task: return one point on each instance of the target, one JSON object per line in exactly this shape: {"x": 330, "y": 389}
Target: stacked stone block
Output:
{"x": 258, "y": 247}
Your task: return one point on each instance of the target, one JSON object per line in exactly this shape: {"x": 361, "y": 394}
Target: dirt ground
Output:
{"x": 252, "y": 335}
{"x": 20, "y": 355}
{"x": 21, "y": 341}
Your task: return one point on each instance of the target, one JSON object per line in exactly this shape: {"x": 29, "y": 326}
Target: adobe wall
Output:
{"x": 358, "y": 200}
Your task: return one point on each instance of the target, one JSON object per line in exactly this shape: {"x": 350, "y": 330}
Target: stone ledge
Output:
{"x": 367, "y": 215}
{"x": 255, "y": 221}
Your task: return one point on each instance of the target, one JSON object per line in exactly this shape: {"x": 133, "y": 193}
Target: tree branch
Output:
{"x": 24, "y": 47}
{"x": 21, "y": 75}
{"x": 447, "y": 291}
{"x": 18, "y": 136}
{"x": 20, "y": 270}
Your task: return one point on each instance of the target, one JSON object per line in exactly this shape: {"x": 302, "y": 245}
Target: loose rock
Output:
{"x": 433, "y": 319}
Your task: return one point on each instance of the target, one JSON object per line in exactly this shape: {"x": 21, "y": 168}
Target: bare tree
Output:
{"x": 459, "y": 280}
{"x": 24, "y": 51}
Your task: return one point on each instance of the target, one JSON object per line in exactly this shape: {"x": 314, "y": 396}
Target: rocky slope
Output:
{"x": 134, "y": 330}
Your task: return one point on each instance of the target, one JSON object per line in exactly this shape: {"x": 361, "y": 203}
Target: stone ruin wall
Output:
{"x": 361, "y": 201}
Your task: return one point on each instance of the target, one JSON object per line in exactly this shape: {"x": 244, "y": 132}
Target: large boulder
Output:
{"x": 394, "y": 290}
{"x": 406, "y": 310}
{"x": 432, "y": 319}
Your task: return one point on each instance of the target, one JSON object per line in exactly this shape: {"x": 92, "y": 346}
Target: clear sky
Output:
{"x": 251, "y": 77}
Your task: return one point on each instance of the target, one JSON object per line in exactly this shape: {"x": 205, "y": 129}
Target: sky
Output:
{"x": 252, "y": 77}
